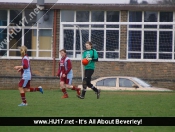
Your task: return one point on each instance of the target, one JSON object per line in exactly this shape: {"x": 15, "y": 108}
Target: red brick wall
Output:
{"x": 159, "y": 74}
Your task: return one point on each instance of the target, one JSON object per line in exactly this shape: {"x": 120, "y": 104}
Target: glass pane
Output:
{"x": 30, "y": 38}
{"x": 78, "y": 55}
{"x": 134, "y": 41}
{"x": 70, "y": 54}
{"x": 68, "y": 36}
{"x": 100, "y": 83}
{"x": 165, "y": 56}
{"x": 150, "y": 55}
{"x": 112, "y": 40}
{"x": 30, "y": 18}
{"x": 100, "y": 54}
{"x": 150, "y": 41}
{"x": 82, "y": 16}
{"x": 112, "y": 55}
{"x": 150, "y": 17}
{"x": 44, "y": 53}
{"x": 14, "y": 53}
{"x": 112, "y": 26}
{"x": 67, "y": 16}
{"x": 97, "y": 26}
{"x": 85, "y": 38}
{"x": 134, "y": 56}
{"x": 84, "y": 26}
{"x": 166, "y": 17}
{"x": 165, "y": 41}
{"x": 15, "y": 40}
{"x": 68, "y": 25}
{"x": 97, "y": 38}
{"x": 31, "y": 53}
{"x": 3, "y": 38}
{"x": 15, "y": 17}
{"x": 3, "y": 17}
{"x": 110, "y": 82}
{"x": 112, "y": 16}
{"x": 3, "y": 52}
{"x": 135, "y": 16}
{"x": 97, "y": 16}
{"x": 45, "y": 39}
{"x": 47, "y": 20}
{"x": 125, "y": 82}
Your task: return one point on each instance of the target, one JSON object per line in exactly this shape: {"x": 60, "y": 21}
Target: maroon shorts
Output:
{"x": 66, "y": 80}
{"x": 24, "y": 83}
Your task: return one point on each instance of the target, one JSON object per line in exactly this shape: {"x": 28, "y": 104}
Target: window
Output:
{"x": 23, "y": 30}
{"x": 82, "y": 16}
{"x": 97, "y": 16}
{"x": 150, "y": 41}
{"x": 123, "y": 82}
{"x": 67, "y": 16}
{"x": 3, "y": 18}
{"x": 109, "y": 82}
{"x": 96, "y": 26}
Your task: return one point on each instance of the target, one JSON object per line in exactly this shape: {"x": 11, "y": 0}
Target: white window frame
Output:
{"x": 22, "y": 40}
{"x": 62, "y": 28}
{"x": 142, "y": 29}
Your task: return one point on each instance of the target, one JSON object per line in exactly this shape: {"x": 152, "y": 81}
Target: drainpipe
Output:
{"x": 54, "y": 41}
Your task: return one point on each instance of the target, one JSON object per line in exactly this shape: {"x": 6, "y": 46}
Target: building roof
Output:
{"x": 149, "y": 5}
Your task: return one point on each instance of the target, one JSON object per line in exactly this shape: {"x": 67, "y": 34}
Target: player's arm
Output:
{"x": 84, "y": 55}
{"x": 59, "y": 70}
{"x": 69, "y": 67}
{"x": 95, "y": 56}
{"x": 24, "y": 66}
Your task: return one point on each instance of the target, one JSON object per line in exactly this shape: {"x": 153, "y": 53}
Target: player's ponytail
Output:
{"x": 23, "y": 50}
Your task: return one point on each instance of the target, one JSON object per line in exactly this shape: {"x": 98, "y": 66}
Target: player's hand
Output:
{"x": 58, "y": 76}
{"x": 16, "y": 67}
{"x": 63, "y": 75}
{"x": 19, "y": 69}
{"x": 89, "y": 59}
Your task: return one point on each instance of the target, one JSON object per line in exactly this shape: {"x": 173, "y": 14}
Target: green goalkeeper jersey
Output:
{"x": 92, "y": 53}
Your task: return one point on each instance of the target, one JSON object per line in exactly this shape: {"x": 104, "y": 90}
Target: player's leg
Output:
{"x": 29, "y": 89}
{"x": 63, "y": 87}
{"x": 22, "y": 85}
{"x": 89, "y": 74}
{"x": 72, "y": 87}
{"x": 84, "y": 85}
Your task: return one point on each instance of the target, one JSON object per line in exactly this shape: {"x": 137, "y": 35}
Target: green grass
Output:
{"x": 110, "y": 104}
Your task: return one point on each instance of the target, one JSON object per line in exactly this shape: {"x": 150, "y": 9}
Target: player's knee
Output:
{"x": 21, "y": 89}
{"x": 61, "y": 84}
{"x": 90, "y": 85}
{"x": 88, "y": 82}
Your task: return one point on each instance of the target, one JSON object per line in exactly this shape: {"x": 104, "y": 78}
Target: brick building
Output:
{"x": 133, "y": 38}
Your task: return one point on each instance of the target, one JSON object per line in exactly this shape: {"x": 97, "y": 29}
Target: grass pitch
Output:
{"x": 110, "y": 104}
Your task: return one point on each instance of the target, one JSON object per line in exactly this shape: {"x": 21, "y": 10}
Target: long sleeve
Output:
{"x": 25, "y": 64}
{"x": 95, "y": 56}
{"x": 69, "y": 66}
{"x": 59, "y": 70}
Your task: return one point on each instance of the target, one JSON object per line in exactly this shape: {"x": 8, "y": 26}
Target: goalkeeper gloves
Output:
{"x": 89, "y": 59}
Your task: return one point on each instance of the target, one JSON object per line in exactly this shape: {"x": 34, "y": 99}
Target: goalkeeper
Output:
{"x": 91, "y": 55}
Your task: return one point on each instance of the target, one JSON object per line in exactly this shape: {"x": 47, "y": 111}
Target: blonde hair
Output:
{"x": 23, "y": 50}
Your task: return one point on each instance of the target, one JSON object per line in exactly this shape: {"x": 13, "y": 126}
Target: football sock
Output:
{"x": 83, "y": 92}
{"x": 23, "y": 98}
{"x": 74, "y": 88}
{"x": 34, "y": 89}
{"x": 64, "y": 91}
{"x": 94, "y": 88}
